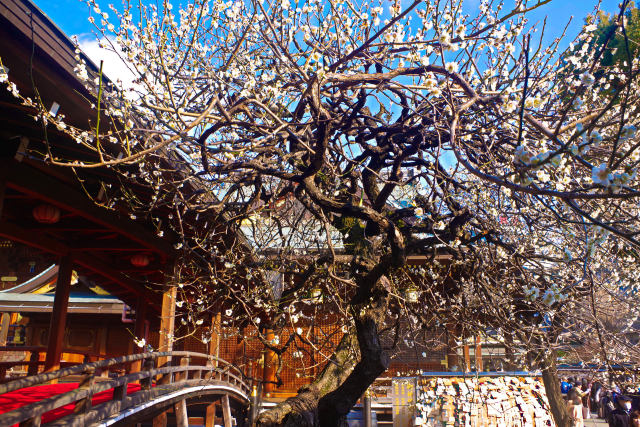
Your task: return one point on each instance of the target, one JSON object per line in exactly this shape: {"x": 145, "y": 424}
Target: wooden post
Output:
{"x": 478, "y": 351}
{"x": 180, "y": 408}
{"x": 167, "y": 323}
{"x": 508, "y": 352}
{"x": 254, "y": 410}
{"x": 214, "y": 344}
{"x": 269, "y": 374}
{"x": 210, "y": 417}
{"x": 5, "y": 320}
{"x": 366, "y": 409}
{"x": 160, "y": 420}
{"x": 147, "y": 382}
{"x": 139, "y": 331}
{"x": 226, "y": 411}
{"x": 453, "y": 361}
{"x": 3, "y": 186}
{"x": 32, "y": 368}
{"x": 184, "y": 375}
{"x": 58, "y": 322}
{"x": 467, "y": 357}
{"x": 84, "y": 405}
{"x": 120, "y": 393}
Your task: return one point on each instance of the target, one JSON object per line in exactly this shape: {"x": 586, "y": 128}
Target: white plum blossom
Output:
{"x": 451, "y": 67}
{"x": 602, "y": 175}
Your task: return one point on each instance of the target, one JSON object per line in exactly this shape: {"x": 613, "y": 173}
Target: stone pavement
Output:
{"x": 595, "y": 422}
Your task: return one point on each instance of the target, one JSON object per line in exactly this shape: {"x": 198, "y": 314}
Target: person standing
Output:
{"x": 596, "y": 395}
{"x": 621, "y": 416}
{"x": 586, "y": 403}
{"x": 607, "y": 404}
{"x": 574, "y": 406}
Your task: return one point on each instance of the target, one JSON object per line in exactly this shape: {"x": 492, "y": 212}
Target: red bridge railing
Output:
{"x": 180, "y": 374}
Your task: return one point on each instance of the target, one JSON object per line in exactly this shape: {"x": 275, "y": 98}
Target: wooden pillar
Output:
{"x": 214, "y": 344}
{"x": 254, "y": 410}
{"x": 180, "y": 408}
{"x": 453, "y": 361}
{"x": 5, "y": 320}
{"x": 226, "y": 411}
{"x": 59, "y": 314}
{"x": 467, "y": 357}
{"x": 210, "y": 416}
{"x": 167, "y": 323}
{"x": 160, "y": 420}
{"x": 3, "y": 186}
{"x": 366, "y": 409}
{"x": 508, "y": 353}
{"x": 269, "y": 375}
{"x": 478, "y": 353}
{"x": 139, "y": 331}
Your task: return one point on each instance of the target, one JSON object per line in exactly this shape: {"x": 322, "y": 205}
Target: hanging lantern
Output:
{"x": 316, "y": 295}
{"x": 140, "y": 260}
{"x": 46, "y": 214}
{"x": 411, "y": 294}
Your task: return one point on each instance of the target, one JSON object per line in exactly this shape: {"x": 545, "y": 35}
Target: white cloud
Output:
{"x": 113, "y": 65}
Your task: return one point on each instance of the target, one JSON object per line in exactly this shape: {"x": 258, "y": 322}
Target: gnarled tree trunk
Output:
{"x": 552, "y": 388}
{"x": 352, "y": 369}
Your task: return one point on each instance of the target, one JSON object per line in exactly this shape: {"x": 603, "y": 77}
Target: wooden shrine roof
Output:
{"x": 101, "y": 241}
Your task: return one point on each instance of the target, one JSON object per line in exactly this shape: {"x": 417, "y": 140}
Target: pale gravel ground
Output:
{"x": 595, "y": 422}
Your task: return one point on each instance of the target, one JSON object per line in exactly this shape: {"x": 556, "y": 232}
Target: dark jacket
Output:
{"x": 619, "y": 418}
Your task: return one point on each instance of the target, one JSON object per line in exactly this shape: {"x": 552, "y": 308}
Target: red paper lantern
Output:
{"x": 46, "y": 214}
{"x": 140, "y": 260}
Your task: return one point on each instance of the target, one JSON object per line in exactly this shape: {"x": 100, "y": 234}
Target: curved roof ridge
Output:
{"x": 35, "y": 282}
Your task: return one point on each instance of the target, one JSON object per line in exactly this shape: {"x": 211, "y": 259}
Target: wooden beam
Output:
{"x": 91, "y": 263}
{"x": 38, "y": 184}
{"x": 103, "y": 245}
{"x": 58, "y": 322}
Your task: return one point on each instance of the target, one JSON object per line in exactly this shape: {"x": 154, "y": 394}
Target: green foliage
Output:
{"x": 616, "y": 52}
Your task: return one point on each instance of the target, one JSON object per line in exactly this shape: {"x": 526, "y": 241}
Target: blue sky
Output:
{"x": 71, "y": 15}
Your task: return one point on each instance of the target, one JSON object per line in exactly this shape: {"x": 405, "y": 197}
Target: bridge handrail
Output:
{"x": 87, "y": 388}
{"x": 82, "y": 368}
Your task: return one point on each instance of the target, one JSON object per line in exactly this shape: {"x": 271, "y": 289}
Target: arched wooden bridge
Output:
{"x": 164, "y": 380}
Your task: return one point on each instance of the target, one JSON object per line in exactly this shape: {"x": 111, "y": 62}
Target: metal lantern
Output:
{"x": 411, "y": 294}
{"x": 46, "y": 214}
{"x": 316, "y": 295}
{"x": 140, "y": 260}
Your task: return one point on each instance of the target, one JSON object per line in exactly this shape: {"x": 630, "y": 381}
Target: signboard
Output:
{"x": 403, "y": 396}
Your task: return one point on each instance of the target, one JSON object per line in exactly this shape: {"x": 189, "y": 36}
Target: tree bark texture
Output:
{"x": 328, "y": 400}
{"x": 554, "y": 395}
